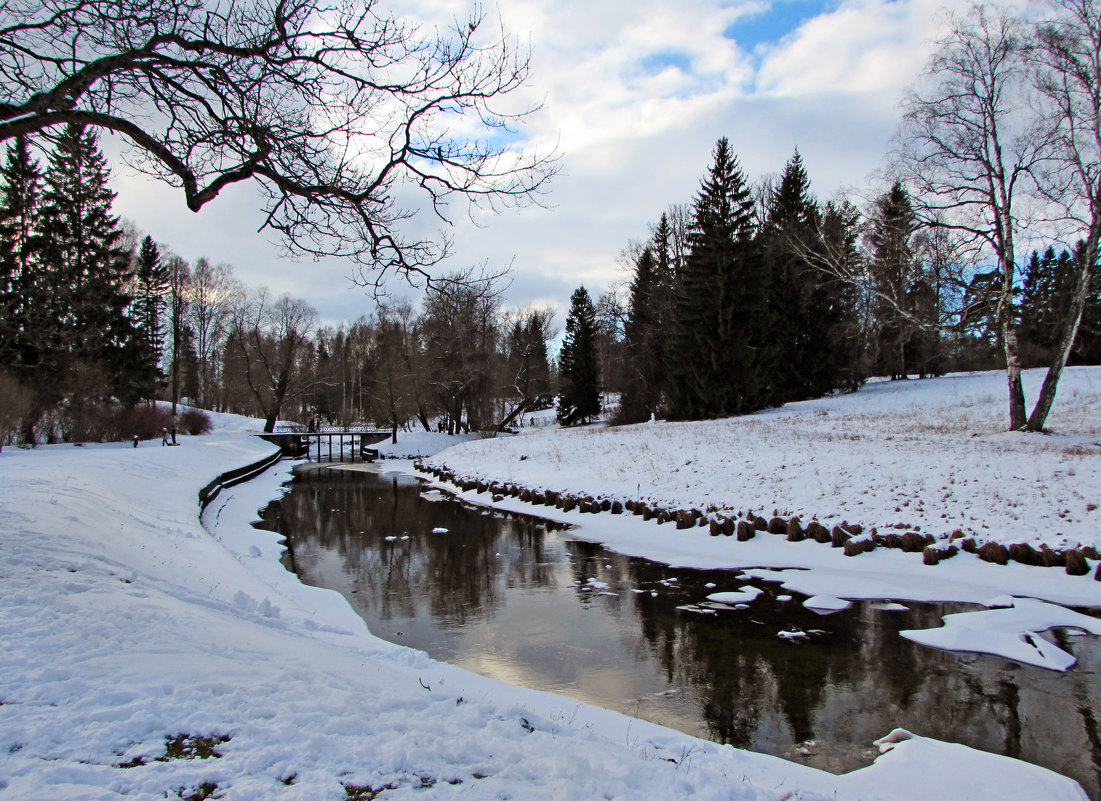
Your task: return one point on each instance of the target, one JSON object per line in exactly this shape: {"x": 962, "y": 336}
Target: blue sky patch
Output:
{"x": 782, "y": 17}
{"x": 657, "y": 62}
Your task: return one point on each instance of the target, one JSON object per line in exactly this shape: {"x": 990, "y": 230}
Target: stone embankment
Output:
{"x": 744, "y": 526}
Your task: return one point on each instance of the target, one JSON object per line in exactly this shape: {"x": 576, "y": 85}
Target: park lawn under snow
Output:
{"x": 126, "y": 623}
{"x": 928, "y": 455}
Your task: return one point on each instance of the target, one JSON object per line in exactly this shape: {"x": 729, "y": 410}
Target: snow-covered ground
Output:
{"x": 126, "y": 623}
{"x": 929, "y": 455}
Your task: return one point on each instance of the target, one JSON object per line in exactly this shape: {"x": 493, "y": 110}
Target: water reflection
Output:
{"x": 518, "y": 600}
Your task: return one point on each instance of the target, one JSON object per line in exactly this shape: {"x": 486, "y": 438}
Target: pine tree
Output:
{"x": 802, "y": 307}
{"x": 88, "y": 269}
{"x": 578, "y": 370}
{"x": 718, "y": 303}
{"x": 644, "y": 340}
{"x": 20, "y": 254}
{"x": 892, "y": 268}
{"x": 148, "y": 312}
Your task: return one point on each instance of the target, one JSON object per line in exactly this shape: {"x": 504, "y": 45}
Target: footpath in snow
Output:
{"x": 135, "y": 635}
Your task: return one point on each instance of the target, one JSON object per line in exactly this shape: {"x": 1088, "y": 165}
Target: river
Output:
{"x": 521, "y": 600}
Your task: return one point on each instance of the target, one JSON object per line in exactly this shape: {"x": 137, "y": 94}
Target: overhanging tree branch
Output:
{"x": 347, "y": 119}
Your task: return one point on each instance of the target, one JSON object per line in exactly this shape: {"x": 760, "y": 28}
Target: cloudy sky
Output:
{"x": 634, "y": 93}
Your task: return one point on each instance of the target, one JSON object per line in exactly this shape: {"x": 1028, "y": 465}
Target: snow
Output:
{"x": 826, "y": 603}
{"x": 1011, "y": 631}
{"x": 411, "y": 444}
{"x": 742, "y": 595}
{"x": 126, "y": 620}
{"x": 928, "y": 455}
{"x": 905, "y": 765}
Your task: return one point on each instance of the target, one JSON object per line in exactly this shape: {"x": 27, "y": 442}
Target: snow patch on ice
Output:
{"x": 742, "y": 595}
{"x": 1012, "y": 632}
{"x": 826, "y": 603}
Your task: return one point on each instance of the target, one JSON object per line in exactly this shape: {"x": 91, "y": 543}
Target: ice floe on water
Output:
{"x": 826, "y": 603}
{"x": 1009, "y": 631}
{"x": 743, "y": 595}
{"x": 890, "y": 606}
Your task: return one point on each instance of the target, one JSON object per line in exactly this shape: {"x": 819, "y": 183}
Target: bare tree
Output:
{"x": 969, "y": 149}
{"x": 461, "y": 327}
{"x": 1067, "y": 53}
{"x": 179, "y": 283}
{"x": 395, "y": 365}
{"x": 333, "y": 110}
{"x": 525, "y": 367}
{"x": 213, "y": 293}
{"x": 273, "y": 336}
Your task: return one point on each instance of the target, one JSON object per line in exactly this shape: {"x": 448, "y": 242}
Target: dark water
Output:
{"x": 512, "y": 598}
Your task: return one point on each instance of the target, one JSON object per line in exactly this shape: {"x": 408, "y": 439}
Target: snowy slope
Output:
{"x": 926, "y": 455}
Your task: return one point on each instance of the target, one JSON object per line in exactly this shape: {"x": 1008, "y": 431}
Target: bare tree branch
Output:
{"x": 348, "y": 120}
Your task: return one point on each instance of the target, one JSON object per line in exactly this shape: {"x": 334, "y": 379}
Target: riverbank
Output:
{"x": 905, "y": 464}
{"x": 137, "y": 641}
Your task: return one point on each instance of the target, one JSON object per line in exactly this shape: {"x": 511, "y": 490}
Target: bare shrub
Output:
{"x": 195, "y": 422}
{"x": 1024, "y": 553}
{"x": 993, "y": 552}
{"x": 818, "y": 532}
{"x": 141, "y": 421}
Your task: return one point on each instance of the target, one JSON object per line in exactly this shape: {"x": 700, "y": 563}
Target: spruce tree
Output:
{"x": 578, "y": 370}
{"x": 892, "y": 268}
{"x": 801, "y": 307}
{"x": 88, "y": 268}
{"x": 21, "y": 289}
{"x": 644, "y": 340}
{"x": 1046, "y": 295}
{"x": 148, "y": 312}
{"x": 718, "y": 302}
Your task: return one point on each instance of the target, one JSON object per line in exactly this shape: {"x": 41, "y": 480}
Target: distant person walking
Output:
{"x": 174, "y": 436}
{"x": 164, "y": 437}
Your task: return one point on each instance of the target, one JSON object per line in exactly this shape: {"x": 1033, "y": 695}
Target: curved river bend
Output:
{"x": 519, "y": 600}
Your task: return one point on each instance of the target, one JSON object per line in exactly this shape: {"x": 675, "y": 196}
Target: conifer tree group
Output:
{"x": 780, "y": 299}
{"x": 70, "y": 330}
{"x": 744, "y": 321}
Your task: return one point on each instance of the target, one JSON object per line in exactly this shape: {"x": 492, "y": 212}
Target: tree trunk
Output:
{"x": 1017, "y": 414}
{"x": 175, "y": 386}
{"x": 1066, "y": 342}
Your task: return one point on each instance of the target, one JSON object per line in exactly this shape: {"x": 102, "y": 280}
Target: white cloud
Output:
{"x": 635, "y": 94}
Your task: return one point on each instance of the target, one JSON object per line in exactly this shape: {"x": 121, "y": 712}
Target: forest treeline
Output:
{"x": 758, "y": 295}
{"x": 97, "y": 320}
{"x": 753, "y": 295}
{"x": 727, "y": 310}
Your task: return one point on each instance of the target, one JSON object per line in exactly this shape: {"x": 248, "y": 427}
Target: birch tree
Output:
{"x": 969, "y": 151}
